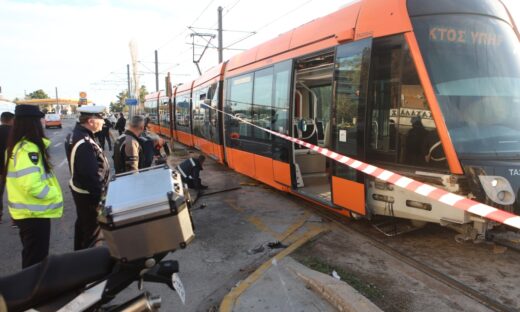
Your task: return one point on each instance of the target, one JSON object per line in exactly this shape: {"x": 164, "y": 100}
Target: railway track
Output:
{"x": 349, "y": 227}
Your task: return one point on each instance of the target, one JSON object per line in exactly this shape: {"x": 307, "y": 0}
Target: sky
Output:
{"x": 85, "y": 45}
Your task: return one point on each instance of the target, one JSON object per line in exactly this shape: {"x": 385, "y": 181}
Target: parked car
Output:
{"x": 52, "y": 120}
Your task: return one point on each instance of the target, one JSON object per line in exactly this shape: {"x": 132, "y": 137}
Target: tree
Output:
{"x": 142, "y": 93}
{"x": 38, "y": 94}
{"x": 120, "y": 103}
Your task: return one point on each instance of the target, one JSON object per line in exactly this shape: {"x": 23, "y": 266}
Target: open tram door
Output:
{"x": 311, "y": 115}
{"x": 329, "y": 110}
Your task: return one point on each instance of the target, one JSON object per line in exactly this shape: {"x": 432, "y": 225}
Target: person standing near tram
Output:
{"x": 33, "y": 193}
{"x": 90, "y": 172}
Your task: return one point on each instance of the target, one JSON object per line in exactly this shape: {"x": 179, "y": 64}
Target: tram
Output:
{"x": 427, "y": 89}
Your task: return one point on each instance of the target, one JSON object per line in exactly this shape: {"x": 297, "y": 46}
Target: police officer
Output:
{"x": 33, "y": 192}
{"x": 90, "y": 172}
{"x": 190, "y": 172}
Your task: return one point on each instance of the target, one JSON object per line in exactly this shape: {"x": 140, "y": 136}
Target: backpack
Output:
{"x": 119, "y": 162}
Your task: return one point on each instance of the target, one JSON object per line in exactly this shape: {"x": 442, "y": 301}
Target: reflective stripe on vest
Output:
{"x": 182, "y": 172}
{"x": 21, "y": 173}
{"x": 72, "y": 157}
{"x": 44, "y": 192}
{"x": 34, "y": 207}
{"x": 16, "y": 152}
{"x": 192, "y": 162}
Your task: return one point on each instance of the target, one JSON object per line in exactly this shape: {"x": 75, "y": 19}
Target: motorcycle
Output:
{"x": 87, "y": 280}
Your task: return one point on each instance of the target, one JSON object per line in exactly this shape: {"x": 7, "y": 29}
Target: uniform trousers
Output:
{"x": 86, "y": 224}
{"x": 105, "y": 137}
{"x": 35, "y": 234}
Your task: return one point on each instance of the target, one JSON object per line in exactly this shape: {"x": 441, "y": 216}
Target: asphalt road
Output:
{"x": 62, "y": 231}
{"x": 231, "y": 224}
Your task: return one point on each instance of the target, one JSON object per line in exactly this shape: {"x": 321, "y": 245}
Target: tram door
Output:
{"x": 352, "y": 67}
{"x": 313, "y": 80}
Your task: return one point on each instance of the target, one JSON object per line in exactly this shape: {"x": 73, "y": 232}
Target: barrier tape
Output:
{"x": 417, "y": 187}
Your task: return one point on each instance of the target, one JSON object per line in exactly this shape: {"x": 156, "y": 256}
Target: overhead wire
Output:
{"x": 270, "y": 23}
{"x": 184, "y": 30}
{"x": 228, "y": 47}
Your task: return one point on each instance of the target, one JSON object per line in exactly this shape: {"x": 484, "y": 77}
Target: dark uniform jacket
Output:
{"x": 120, "y": 124}
{"x": 90, "y": 168}
{"x": 132, "y": 152}
{"x": 4, "y": 135}
{"x": 190, "y": 172}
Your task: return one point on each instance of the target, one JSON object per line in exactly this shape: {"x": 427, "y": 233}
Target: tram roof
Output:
{"x": 358, "y": 20}
{"x": 210, "y": 75}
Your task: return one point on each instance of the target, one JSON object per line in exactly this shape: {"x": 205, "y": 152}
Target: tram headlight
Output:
{"x": 501, "y": 195}
{"x": 498, "y": 189}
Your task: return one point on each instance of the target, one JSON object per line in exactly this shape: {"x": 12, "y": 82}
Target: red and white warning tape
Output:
{"x": 420, "y": 188}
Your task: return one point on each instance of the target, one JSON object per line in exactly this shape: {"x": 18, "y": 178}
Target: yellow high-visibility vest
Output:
{"x": 31, "y": 192}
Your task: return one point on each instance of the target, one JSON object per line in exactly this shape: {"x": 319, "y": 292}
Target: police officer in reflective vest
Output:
{"x": 190, "y": 172}
{"x": 33, "y": 192}
{"x": 90, "y": 172}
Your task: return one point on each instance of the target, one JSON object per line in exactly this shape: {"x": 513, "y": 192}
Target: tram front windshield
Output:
{"x": 474, "y": 66}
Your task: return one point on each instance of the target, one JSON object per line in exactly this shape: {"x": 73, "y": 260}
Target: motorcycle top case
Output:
{"x": 145, "y": 213}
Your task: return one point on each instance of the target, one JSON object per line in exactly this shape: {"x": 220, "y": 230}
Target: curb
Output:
{"x": 338, "y": 293}
{"x": 230, "y": 299}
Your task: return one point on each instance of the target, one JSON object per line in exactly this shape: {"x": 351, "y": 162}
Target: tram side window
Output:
{"x": 261, "y": 98}
{"x": 352, "y": 64}
{"x": 198, "y": 111}
{"x": 419, "y": 143}
{"x": 211, "y": 117}
{"x": 384, "y": 97}
{"x": 150, "y": 109}
{"x": 324, "y": 97}
{"x": 262, "y": 101}
{"x": 280, "y": 109}
{"x": 182, "y": 110}
{"x": 164, "y": 113}
{"x": 402, "y": 129}
{"x": 238, "y": 104}
{"x": 202, "y": 114}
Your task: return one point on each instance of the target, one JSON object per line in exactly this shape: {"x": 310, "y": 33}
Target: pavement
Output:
{"x": 239, "y": 258}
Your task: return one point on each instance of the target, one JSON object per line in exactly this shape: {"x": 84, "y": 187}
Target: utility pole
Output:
{"x": 131, "y": 108}
{"x": 57, "y": 102}
{"x": 220, "y": 47}
{"x": 156, "y": 72}
{"x": 128, "y": 78}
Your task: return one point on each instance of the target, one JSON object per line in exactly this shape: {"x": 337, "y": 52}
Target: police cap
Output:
{"x": 93, "y": 110}
{"x": 25, "y": 110}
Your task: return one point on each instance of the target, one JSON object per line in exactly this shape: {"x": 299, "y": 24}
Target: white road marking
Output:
{"x": 57, "y": 145}
{"x": 63, "y": 162}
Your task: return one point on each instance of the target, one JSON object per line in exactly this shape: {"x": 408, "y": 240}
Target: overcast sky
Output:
{"x": 82, "y": 45}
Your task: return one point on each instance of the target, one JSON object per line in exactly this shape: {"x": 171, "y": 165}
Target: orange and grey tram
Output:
{"x": 427, "y": 89}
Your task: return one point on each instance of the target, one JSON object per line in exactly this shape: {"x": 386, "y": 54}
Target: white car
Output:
{"x": 52, "y": 120}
